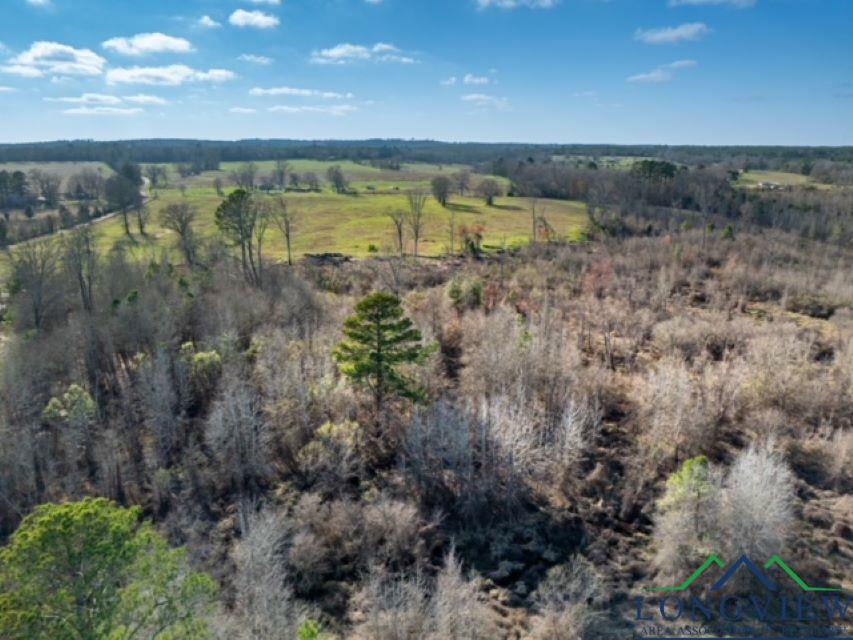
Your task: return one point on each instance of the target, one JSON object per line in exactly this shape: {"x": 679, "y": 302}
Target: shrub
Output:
{"x": 565, "y": 602}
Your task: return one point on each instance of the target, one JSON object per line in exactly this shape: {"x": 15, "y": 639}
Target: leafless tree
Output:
{"x": 282, "y": 168}
{"x": 417, "y": 201}
{"x": 81, "y": 259}
{"x": 285, "y": 219}
{"x": 490, "y": 189}
{"x": 217, "y": 184}
{"x": 246, "y": 176}
{"x": 36, "y": 266}
{"x": 179, "y": 217}
{"x": 48, "y": 186}
{"x": 398, "y": 217}
{"x": 463, "y": 181}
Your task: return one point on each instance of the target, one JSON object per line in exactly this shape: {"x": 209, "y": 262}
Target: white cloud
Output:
{"x": 271, "y": 2}
{"x": 663, "y": 73}
{"x": 250, "y": 57}
{"x": 585, "y": 94}
{"x": 88, "y": 98}
{"x": 450, "y": 82}
{"x": 346, "y": 53}
{"x": 672, "y": 35}
{"x": 21, "y": 70}
{"x": 243, "y": 110}
{"x": 53, "y": 57}
{"x": 373, "y": 1}
{"x": 331, "y": 110}
{"x": 7, "y": 89}
{"x": 254, "y": 19}
{"x": 173, "y": 75}
{"x": 302, "y": 93}
{"x": 143, "y": 43}
{"x": 514, "y": 4}
{"x": 143, "y": 98}
{"x": 484, "y": 101}
{"x": 39, "y": 3}
{"x": 740, "y": 4}
{"x": 102, "y": 111}
{"x": 470, "y": 78}
{"x": 208, "y": 23}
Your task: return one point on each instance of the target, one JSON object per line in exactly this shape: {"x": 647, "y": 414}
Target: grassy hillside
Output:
{"x": 328, "y": 222}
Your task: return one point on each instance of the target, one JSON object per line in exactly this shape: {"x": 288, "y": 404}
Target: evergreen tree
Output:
{"x": 379, "y": 339}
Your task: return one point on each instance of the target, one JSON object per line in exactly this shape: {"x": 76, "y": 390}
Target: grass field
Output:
{"x": 363, "y": 178}
{"x": 328, "y": 222}
{"x": 357, "y": 225}
{"x": 751, "y": 179}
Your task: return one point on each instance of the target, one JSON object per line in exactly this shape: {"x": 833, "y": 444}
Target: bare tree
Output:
{"x": 36, "y": 266}
{"x": 490, "y": 189}
{"x": 48, "y": 185}
{"x": 285, "y": 219}
{"x": 81, "y": 260}
{"x": 417, "y": 200}
{"x": 398, "y": 217}
{"x": 463, "y": 181}
{"x": 534, "y": 220}
{"x": 217, "y": 184}
{"x": 282, "y": 168}
{"x": 179, "y": 217}
{"x": 245, "y": 176}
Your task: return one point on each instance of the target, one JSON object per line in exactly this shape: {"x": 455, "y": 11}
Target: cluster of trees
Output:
{"x": 477, "y": 451}
{"x": 391, "y": 153}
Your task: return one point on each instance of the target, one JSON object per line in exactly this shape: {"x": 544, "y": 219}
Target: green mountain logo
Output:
{"x": 744, "y": 561}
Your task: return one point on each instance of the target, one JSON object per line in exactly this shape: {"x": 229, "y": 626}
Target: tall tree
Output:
{"x": 88, "y": 570}
{"x": 463, "y": 181}
{"x": 379, "y": 339}
{"x": 336, "y": 176}
{"x": 398, "y": 217}
{"x": 282, "y": 168}
{"x": 244, "y": 219}
{"x": 417, "y": 202}
{"x": 123, "y": 194}
{"x": 441, "y": 187}
{"x": 81, "y": 260}
{"x": 35, "y": 267}
{"x": 179, "y": 217}
{"x": 285, "y": 220}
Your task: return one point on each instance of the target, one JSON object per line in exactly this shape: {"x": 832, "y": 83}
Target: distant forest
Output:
{"x": 382, "y": 150}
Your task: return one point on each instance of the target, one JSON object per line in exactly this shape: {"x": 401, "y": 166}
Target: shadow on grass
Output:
{"x": 462, "y": 208}
{"x": 508, "y": 207}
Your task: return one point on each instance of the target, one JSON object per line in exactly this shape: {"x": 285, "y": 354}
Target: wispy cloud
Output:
{"x": 7, "y": 89}
{"x": 103, "y": 111}
{"x": 470, "y": 79}
{"x": 346, "y": 53}
{"x": 672, "y": 35}
{"x": 242, "y": 110}
{"x": 145, "y": 43}
{"x": 53, "y": 57}
{"x": 302, "y": 93}
{"x": 270, "y": 2}
{"x": 88, "y": 98}
{"x": 337, "y": 110}
{"x": 255, "y": 59}
{"x": 253, "y": 19}
{"x": 450, "y": 82}
{"x": 514, "y": 4}
{"x": 143, "y": 98}
{"x": 663, "y": 73}
{"x": 740, "y": 4}
{"x": 484, "y": 101}
{"x": 38, "y": 3}
{"x": 172, "y": 75}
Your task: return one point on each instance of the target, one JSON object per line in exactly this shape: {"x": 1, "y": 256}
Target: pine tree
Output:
{"x": 379, "y": 338}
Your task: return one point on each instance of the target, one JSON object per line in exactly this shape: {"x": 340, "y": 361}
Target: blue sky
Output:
{"x": 618, "y": 71}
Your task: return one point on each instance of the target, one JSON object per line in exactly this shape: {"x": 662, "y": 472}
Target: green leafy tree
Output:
{"x": 379, "y": 340}
{"x": 90, "y": 570}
